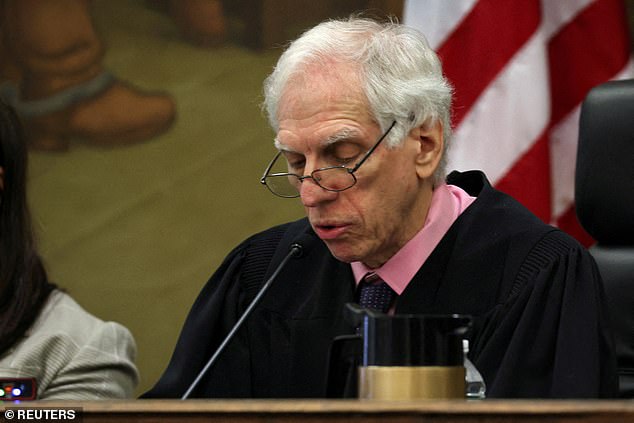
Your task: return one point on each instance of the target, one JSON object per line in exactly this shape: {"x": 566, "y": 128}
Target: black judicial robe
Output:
{"x": 540, "y": 326}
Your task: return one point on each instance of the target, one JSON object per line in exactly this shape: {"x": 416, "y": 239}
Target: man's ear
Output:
{"x": 430, "y": 140}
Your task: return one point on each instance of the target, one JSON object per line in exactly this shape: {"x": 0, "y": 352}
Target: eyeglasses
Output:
{"x": 332, "y": 178}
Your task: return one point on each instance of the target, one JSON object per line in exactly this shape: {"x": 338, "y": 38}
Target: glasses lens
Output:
{"x": 279, "y": 181}
{"x": 334, "y": 178}
{"x": 284, "y": 185}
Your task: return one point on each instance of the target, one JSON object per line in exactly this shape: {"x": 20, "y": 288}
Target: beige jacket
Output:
{"x": 74, "y": 355}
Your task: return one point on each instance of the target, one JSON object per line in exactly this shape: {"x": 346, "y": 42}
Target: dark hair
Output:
{"x": 24, "y": 286}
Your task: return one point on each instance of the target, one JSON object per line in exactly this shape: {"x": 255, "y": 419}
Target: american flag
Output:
{"x": 520, "y": 70}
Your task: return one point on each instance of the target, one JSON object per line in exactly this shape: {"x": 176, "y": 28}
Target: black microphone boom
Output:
{"x": 296, "y": 250}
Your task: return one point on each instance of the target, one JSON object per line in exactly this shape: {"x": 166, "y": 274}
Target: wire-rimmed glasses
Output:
{"x": 331, "y": 178}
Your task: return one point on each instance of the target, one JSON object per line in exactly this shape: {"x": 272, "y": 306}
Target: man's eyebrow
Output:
{"x": 343, "y": 134}
{"x": 281, "y": 147}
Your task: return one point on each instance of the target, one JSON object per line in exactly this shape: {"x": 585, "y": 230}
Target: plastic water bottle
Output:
{"x": 475, "y": 386}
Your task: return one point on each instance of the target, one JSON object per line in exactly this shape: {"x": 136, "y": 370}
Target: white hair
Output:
{"x": 401, "y": 75}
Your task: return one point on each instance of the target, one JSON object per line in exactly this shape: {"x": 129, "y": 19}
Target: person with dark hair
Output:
{"x": 44, "y": 333}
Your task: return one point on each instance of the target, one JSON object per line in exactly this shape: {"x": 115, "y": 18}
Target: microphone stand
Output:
{"x": 295, "y": 251}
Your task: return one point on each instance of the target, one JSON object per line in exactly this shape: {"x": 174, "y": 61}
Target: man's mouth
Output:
{"x": 329, "y": 231}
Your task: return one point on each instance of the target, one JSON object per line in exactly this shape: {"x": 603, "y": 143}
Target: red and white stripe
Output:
{"x": 520, "y": 70}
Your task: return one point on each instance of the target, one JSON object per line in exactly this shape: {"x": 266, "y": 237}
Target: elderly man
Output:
{"x": 362, "y": 116}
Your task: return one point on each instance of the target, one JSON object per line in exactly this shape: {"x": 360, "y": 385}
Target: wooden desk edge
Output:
{"x": 258, "y": 406}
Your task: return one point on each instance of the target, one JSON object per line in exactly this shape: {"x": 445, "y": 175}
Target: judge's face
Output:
{"x": 324, "y": 121}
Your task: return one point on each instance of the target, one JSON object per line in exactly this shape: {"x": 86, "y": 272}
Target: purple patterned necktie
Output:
{"x": 375, "y": 294}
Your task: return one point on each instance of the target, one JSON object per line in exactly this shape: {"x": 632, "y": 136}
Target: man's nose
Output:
{"x": 312, "y": 194}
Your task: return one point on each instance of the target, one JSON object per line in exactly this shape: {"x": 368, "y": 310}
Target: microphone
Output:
{"x": 297, "y": 249}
